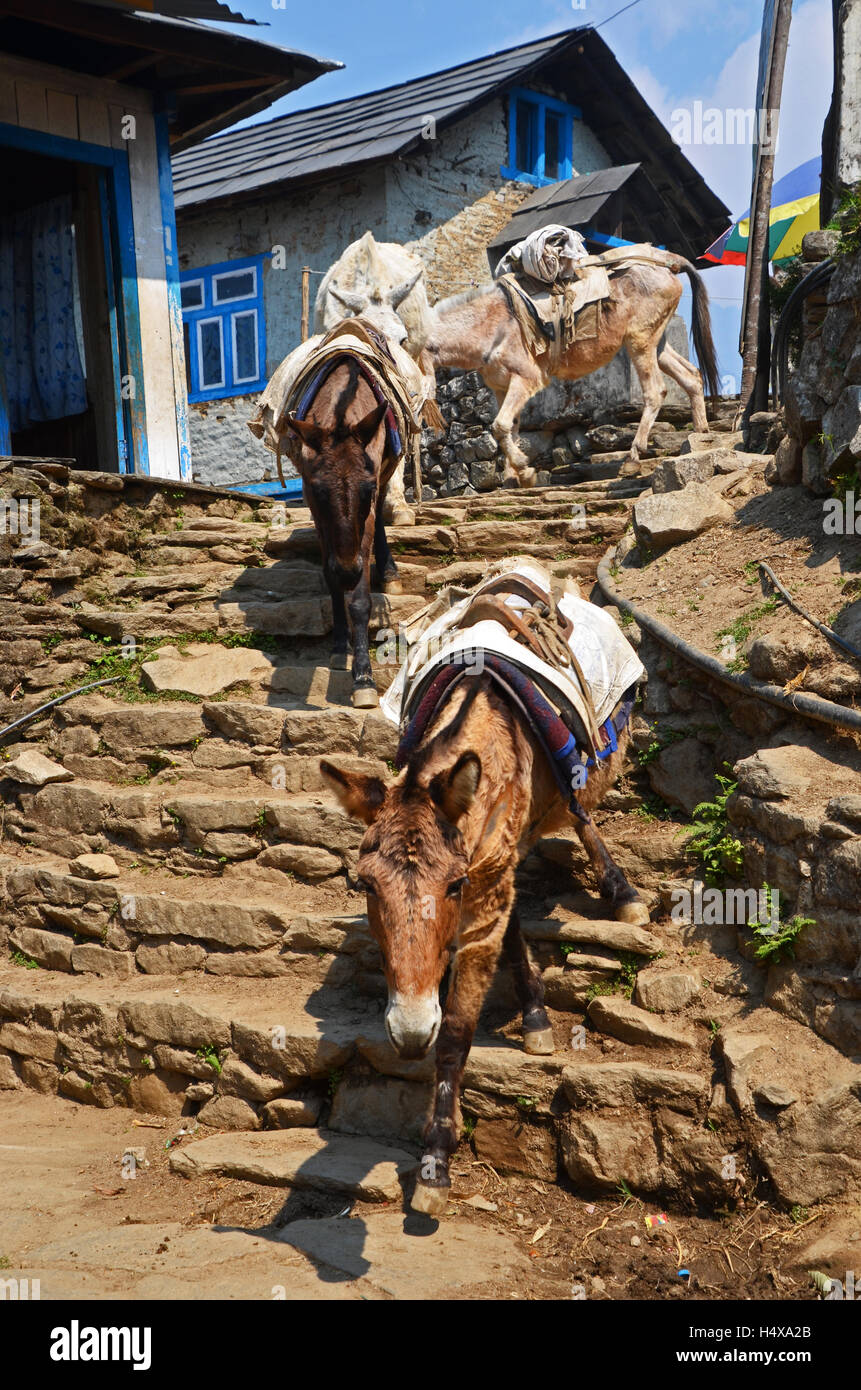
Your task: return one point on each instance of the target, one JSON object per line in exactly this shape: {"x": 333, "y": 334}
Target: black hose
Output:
{"x": 34, "y": 713}
{"x": 810, "y": 706}
{"x": 808, "y": 617}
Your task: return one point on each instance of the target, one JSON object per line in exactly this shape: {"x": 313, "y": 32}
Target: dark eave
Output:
{"x": 206, "y": 79}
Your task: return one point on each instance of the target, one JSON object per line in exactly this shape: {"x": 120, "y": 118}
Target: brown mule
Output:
{"x": 341, "y": 461}
{"x": 438, "y": 863}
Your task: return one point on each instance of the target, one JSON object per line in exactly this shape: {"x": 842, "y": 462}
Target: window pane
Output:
{"x": 525, "y": 131}
{"x": 239, "y": 284}
{"x": 191, "y": 295}
{"x": 211, "y": 354}
{"x": 552, "y": 146}
{"x": 245, "y": 346}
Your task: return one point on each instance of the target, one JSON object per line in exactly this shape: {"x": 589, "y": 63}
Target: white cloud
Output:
{"x": 806, "y": 95}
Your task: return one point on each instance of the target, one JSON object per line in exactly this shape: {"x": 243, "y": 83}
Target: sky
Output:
{"x": 677, "y": 52}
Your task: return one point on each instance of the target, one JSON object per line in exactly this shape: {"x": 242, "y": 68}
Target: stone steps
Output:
{"x": 307, "y": 1052}
{"x": 230, "y": 854}
{"x": 251, "y": 919}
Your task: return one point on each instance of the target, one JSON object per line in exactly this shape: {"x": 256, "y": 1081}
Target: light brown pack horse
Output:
{"x": 437, "y": 864}
{"x": 477, "y": 331}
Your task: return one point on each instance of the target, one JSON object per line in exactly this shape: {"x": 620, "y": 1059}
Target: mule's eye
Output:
{"x": 454, "y": 889}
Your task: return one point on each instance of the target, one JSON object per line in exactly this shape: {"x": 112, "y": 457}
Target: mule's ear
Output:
{"x": 308, "y": 432}
{"x": 365, "y": 430}
{"x": 360, "y": 795}
{"x": 454, "y": 791}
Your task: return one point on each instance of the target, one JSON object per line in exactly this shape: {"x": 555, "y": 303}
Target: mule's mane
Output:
{"x": 445, "y": 735}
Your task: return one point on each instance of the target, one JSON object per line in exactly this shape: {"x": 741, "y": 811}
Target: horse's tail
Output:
{"x": 701, "y": 328}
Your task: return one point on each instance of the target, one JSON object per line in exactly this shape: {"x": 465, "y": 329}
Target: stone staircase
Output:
{"x": 179, "y": 928}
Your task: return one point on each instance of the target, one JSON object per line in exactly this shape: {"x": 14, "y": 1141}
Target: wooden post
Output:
{"x": 756, "y": 321}
{"x": 306, "y": 300}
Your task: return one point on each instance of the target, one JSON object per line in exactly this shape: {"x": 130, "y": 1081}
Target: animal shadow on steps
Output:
{"x": 344, "y": 1015}
{"x": 284, "y": 607}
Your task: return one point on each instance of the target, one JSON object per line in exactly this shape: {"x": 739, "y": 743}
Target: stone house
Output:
{"x": 442, "y": 164}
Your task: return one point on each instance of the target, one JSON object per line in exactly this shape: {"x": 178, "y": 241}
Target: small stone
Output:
{"x": 229, "y": 1112}
{"x": 98, "y": 960}
{"x": 305, "y": 861}
{"x": 95, "y": 866}
{"x": 666, "y": 991}
{"x": 611, "y": 1014}
{"x": 8, "y": 1079}
{"x": 772, "y": 1094}
{"x": 204, "y": 669}
{"x": 665, "y": 519}
{"x": 347, "y": 1165}
{"x": 33, "y": 769}
{"x": 200, "y": 1092}
{"x": 292, "y": 1112}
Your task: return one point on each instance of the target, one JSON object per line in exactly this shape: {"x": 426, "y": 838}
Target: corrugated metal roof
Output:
{"x": 571, "y": 202}
{"x": 361, "y": 129}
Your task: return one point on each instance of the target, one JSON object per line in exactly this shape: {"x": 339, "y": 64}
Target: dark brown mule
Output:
{"x": 438, "y": 863}
{"x": 341, "y": 461}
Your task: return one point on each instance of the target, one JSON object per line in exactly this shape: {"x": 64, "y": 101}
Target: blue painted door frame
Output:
{"x": 121, "y": 274}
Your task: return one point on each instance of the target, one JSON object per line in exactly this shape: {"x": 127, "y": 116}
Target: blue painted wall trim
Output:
{"x": 591, "y": 235}
{"x": 171, "y": 260}
{"x": 133, "y": 377}
{"x": 114, "y": 324}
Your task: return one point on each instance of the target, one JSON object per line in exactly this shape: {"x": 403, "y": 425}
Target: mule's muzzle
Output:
{"x": 413, "y": 1024}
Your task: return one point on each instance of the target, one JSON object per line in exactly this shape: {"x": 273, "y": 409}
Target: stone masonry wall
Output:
{"x": 823, "y": 403}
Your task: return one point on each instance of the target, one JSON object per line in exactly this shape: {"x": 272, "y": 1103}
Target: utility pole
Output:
{"x": 755, "y": 345}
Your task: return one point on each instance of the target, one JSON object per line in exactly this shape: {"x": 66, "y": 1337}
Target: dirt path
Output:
{"x": 71, "y": 1220}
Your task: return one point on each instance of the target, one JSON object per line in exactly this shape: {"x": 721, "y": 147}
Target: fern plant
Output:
{"x": 775, "y": 939}
{"x": 709, "y": 839}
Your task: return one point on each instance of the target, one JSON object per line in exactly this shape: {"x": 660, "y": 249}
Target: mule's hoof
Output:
{"x": 399, "y": 516}
{"x": 527, "y": 477}
{"x": 539, "y": 1043}
{"x": 431, "y": 1201}
{"x": 630, "y": 469}
{"x": 339, "y": 661}
{"x": 636, "y": 914}
{"x": 365, "y": 697}
{"x": 393, "y": 586}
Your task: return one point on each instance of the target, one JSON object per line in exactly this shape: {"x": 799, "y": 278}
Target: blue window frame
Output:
{"x": 540, "y": 132}
{"x": 224, "y": 328}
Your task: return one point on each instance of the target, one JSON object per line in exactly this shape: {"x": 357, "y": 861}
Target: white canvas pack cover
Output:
{"x": 608, "y": 661}
{"x": 409, "y": 389}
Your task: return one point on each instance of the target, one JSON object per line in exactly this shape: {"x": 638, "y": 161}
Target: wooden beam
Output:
{"x": 202, "y": 88}
{"x": 129, "y": 69}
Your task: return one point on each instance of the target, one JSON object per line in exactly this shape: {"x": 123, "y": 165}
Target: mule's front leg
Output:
{"x": 473, "y": 971}
{"x": 339, "y": 660}
{"x": 387, "y": 570}
{"x": 529, "y": 986}
{"x": 364, "y": 694}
